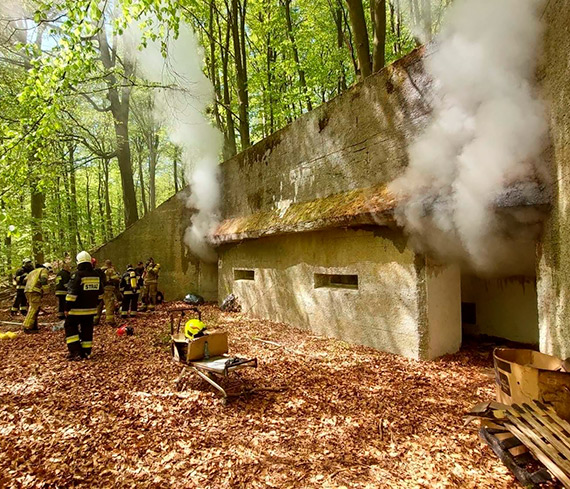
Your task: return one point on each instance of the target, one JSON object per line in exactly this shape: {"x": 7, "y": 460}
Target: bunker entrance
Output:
{"x": 503, "y": 308}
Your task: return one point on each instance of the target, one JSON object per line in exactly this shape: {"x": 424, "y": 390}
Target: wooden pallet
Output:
{"x": 545, "y": 434}
{"x": 512, "y": 452}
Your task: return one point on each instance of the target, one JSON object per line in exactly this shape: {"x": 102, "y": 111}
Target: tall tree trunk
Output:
{"x": 212, "y": 65}
{"x": 141, "y": 181}
{"x": 74, "y": 221}
{"x": 153, "y": 141}
{"x": 241, "y": 73}
{"x": 360, "y": 32}
{"x": 59, "y": 213}
{"x": 120, "y": 109}
{"x": 230, "y": 149}
{"x": 301, "y": 72}
{"x": 88, "y": 205}
{"x": 338, "y": 19}
{"x": 108, "y": 214}
{"x": 100, "y": 200}
{"x": 8, "y": 246}
{"x": 37, "y": 210}
{"x": 175, "y": 167}
{"x": 379, "y": 43}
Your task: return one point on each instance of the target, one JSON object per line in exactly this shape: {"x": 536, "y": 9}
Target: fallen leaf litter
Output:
{"x": 326, "y": 414}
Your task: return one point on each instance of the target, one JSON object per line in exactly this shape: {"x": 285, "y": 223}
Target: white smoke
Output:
{"x": 182, "y": 106}
{"x": 487, "y": 131}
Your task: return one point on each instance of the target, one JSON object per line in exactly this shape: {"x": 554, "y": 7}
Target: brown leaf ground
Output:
{"x": 348, "y": 416}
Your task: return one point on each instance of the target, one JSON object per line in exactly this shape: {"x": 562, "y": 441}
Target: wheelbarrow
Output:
{"x": 207, "y": 355}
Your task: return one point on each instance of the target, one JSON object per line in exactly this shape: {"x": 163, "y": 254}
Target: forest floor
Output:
{"x": 341, "y": 415}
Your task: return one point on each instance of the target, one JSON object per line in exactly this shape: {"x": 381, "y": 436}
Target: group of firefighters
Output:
{"x": 82, "y": 294}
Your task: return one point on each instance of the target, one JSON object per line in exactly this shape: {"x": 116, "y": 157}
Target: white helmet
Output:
{"x": 26, "y": 260}
{"x": 83, "y": 257}
{"x": 48, "y": 266}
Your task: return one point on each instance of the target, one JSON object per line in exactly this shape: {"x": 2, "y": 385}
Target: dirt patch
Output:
{"x": 348, "y": 416}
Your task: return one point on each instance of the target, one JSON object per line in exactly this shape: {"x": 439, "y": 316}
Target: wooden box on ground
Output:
{"x": 525, "y": 375}
{"x": 191, "y": 350}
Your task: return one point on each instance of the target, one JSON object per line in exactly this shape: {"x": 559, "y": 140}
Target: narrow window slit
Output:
{"x": 241, "y": 274}
{"x": 336, "y": 281}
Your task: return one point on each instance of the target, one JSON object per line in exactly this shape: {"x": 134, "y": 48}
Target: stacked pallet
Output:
{"x": 534, "y": 426}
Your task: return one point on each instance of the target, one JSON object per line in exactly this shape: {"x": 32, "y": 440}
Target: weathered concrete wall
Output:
{"x": 506, "y": 308}
{"x": 443, "y": 289}
{"x": 387, "y": 311}
{"x": 355, "y": 141}
{"x": 160, "y": 234}
{"x": 554, "y": 252}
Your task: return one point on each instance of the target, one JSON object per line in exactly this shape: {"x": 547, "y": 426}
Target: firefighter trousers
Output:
{"x": 20, "y": 302}
{"x": 79, "y": 334}
{"x": 109, "y": 301}
{"x": 130, "y": 302}
{"x": 152, "y": 288}
{"x": 61, "y": 306}
{"x": 98, "y": 313}
{"x": 31, "y": 320}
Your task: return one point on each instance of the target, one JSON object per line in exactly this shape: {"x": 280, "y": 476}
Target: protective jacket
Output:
{"x": 112, "y": 278}
{"x": 84, "y": 291}
{"x": 62, "y": 281}
{"x": 151, "y": 273}
{"x": 130, "y": 282}
{"x": 21, "y": 276}
{"x": 37, "y": 281}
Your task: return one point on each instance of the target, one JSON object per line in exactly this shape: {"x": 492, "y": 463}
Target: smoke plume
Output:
{"x": 181, "y": 105}
{"x": 487, "y": 131}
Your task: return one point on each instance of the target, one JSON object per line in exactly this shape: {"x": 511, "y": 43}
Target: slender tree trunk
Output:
{"x": 88, "y": 205}
{"x": 231, "y": 147}
{"x": 8, "y": 247}
{"x": 76, "y": 240}
{"x": 153, "y": 142}
{"x": 59, "y": 213}
{"x": 338, "y": 19}
{"x": 108, "y": 214}
{"x": 379, "y": 43}
{"x": 212, "y": 65}
{"x": 100, "y": 199}
{"x": 301, "y": 72}
{"x": 120, "y": 110}
{"x": 37, "y": 209}
{"x": 241, "y": 73}
{"x": 141, "y": 181}
{"x": 360, "y": 32}
{"x": 175, "y": 167}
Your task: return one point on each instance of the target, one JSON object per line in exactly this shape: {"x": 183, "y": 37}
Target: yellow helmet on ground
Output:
{"x": 193, "y": 327}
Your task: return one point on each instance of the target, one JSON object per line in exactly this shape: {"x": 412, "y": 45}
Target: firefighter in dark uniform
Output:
{"x": 129, "y": 287}
{"x": 20, "y": 302}
{"x": 61, "y": 283}
{"x": 84, "y": 292}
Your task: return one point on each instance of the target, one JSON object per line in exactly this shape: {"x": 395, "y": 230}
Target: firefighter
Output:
{"x": 151, "y": 271}
{"x": 130, "y": 288}
{"x": 61, "y": 283}
{"x": 20, "y": 301}
{"x": 84, "y": 292}
{"x": 36, "y": 287}
{"x": 110, "y": 286}
{"x": 101, "y": 274}
{"x": 139, "y": 269}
